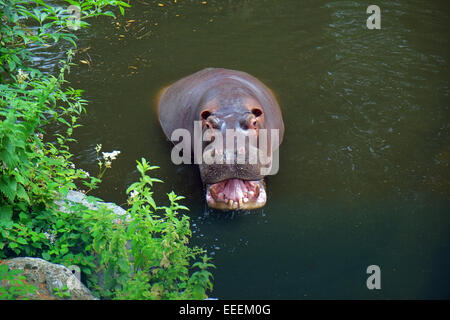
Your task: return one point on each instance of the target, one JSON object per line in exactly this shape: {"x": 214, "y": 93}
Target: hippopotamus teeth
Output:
{"x": 257, "y": 191}
{"x": 236, "y": 194}
{"x": 213, "y": 192}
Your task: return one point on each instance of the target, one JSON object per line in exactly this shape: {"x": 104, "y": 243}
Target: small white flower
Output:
{"x": 133, "y": 194}
{"x": 111, "y": 155}
{"x": 50, "y": 236}
{"x": 115, "y": 153}
{"x": 85, "y": 172}
{"x": 21, "y": 76}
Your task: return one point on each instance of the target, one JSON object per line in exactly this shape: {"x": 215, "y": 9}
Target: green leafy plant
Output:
{"x": 26, "y": 22}
{"x": 13, "y": 285}
{"x": 143, "y": 254}
{"x": 158, "y": 238}
{"x": 62, "y": 292}
{"x": 33, "y": 172}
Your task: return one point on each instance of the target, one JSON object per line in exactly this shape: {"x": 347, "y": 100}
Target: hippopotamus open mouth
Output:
{"x": 229, "y": 117}
{"x": 236, "y": 194}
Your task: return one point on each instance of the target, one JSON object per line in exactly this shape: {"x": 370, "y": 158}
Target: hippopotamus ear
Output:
{"x": 178, "y": 103}
{"x": 272, "y": 113}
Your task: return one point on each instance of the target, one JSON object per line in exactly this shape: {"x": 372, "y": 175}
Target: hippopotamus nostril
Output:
{"x": 244, "y": 124}
{"x": 248, "y": 121}
{"x": 210, "y": 121}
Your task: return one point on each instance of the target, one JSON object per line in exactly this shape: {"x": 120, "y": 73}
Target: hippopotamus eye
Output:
{"x": 205, "y": 114}
{"x": 257, "y": 112}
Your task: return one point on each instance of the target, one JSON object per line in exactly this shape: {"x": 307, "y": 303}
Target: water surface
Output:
{"x": 364, "y": 172}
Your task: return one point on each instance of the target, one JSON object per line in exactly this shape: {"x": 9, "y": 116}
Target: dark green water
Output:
{"x": 364, "y": 172}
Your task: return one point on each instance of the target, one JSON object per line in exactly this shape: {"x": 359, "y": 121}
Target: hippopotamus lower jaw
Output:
{"x": 232, "y": 194}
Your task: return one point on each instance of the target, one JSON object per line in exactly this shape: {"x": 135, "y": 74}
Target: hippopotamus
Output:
{"x": 219, "y": 100}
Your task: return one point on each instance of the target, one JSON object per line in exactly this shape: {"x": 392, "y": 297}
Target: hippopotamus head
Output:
{"x": 234, "y": 117}
{"x": 237, "y": 115}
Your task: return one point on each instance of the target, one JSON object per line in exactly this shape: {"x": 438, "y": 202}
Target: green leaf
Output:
{"x": 151, "y": 201}
{"x": 5, "y": 213}
{"x": 123, "y": 4}
{"x": 11, "y": 65}
{"x": 21, "y": 240}
{"x": 13, "y": 245}
{"x": 132, "y": 187}
{"x": 109, "y": 13}
{"x": 8, "y": 187}
{"x": 22, "y": 194}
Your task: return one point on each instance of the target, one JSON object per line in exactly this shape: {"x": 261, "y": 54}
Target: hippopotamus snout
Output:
{"x": 232, "y": 152}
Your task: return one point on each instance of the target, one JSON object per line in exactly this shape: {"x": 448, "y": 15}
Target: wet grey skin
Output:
{"x": 221, "y": 100}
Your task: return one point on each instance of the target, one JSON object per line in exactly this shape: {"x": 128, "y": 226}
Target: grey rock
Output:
{"x": 81, "y": 198}
{"x": 75, "y": 270}
{"x": 47, "y": 277}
